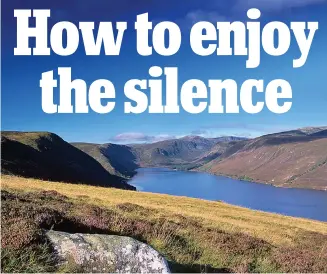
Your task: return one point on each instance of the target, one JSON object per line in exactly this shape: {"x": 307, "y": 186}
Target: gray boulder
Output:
{"x": 105, "y": 253}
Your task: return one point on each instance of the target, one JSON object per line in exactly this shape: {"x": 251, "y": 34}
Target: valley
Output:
{"x": 293, "y": 159}
{"x": 220, "y": 226}
{"x": 303, "y": 203}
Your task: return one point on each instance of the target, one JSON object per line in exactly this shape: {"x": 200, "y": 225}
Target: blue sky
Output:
{"x": 21, "y": 94}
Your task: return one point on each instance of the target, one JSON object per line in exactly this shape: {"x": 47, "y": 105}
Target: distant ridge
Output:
{"x": 181, "y": 153}
{"x": 296, "y": 158}
{"x": 178, "y": 153}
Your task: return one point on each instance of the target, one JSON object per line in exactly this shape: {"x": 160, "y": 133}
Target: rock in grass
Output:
{"x": 105, "y": 253}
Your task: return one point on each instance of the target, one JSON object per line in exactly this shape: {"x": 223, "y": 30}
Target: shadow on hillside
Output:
{"x": 53, "y": 159}
{"x": 121, "y": 159}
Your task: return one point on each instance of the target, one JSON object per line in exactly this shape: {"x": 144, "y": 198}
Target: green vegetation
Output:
{"x": 46, "y": 156}
{"x": 245, "y": 178}
{"x": 118, "y": 160}
{"x": 317, "y": 165}
{"x": 311, "y": 169}
{"x": 35, "y": 258}
{"x": 194, "y": 235}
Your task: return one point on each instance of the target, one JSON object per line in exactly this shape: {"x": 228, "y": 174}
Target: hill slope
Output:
{"x": 289, "y": 159}
{"x": 47, "y": 156}
{"x": 116, "y": 159}
{"x": 187, "y": 152}
{"x": 206, "y": 236}
{"x": 178, "y": 152}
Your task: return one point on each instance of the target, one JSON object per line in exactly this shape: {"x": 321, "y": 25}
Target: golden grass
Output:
{"x": 26, "y": 138}
{"x": 273, "y": 228}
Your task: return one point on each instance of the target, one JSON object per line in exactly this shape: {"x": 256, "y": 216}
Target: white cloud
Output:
{"x": 138, "y": 137}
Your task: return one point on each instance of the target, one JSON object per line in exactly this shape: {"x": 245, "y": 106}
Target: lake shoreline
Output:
{"x": 296, "y": 202}
{"x": 234, "y": 177}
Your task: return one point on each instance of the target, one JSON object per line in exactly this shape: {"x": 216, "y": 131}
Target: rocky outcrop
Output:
{"x": 106, "y": 253}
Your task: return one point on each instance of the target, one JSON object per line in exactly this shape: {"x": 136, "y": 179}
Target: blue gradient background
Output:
{"x": 21, "y": 94}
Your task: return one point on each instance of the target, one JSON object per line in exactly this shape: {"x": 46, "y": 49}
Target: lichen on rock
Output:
{"x": 106, "y": 253}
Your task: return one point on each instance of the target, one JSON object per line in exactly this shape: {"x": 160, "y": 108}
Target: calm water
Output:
{"x": 293, "y": 202}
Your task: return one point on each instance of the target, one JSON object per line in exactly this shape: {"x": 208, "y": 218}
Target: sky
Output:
{"x": 21, "y": 95}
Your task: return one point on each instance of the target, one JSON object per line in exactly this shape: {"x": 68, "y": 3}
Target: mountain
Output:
{"x": 118, "y": 160}
{"x": 46, "y": 156}
{"x": 183, "y": 152}
{"x": 187, "y": 152}
{"x": 315, "y": 131}
{"x": 295, "y": 158}
{"x": 216, "y": 151}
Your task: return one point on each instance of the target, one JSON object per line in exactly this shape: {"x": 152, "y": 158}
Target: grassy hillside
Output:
{"x": 187, "y": 152}
{"x": 214, "y": 153}
{"x": 178, "y": 152}
{"x": 46, "y": 156}
{"x": 116, "y": 159}
{"x": 295, "y": 158}
{"x": 194, "y": 235}
{"x": 288, "y": 159}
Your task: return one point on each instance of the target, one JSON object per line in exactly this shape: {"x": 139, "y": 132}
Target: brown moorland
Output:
{"x": 194, "y": 235}
{"x": 288, "y": 162}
